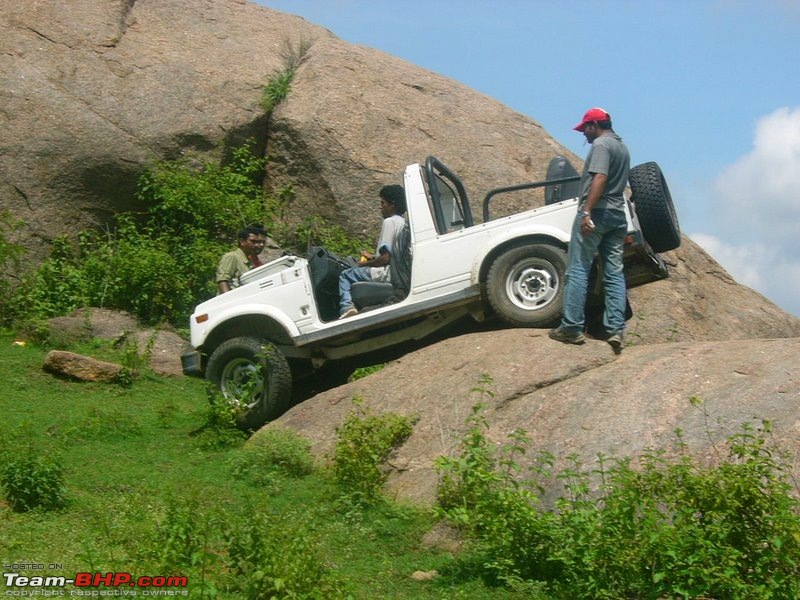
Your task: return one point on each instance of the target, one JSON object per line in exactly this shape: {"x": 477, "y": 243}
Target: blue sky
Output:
{"x": 709, "y": 89}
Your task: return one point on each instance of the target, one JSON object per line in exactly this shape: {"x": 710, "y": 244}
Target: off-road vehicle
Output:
{"x": 445, "y": 265}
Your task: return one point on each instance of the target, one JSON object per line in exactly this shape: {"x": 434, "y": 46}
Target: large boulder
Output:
{"x": 579, "y": 401}
{"x": 701, "y": 301}
{"x": 93, "y": 91}
{"x": 356, "y": 117}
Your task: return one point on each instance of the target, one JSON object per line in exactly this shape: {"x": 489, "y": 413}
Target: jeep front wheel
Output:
{"x": 253, "y": 378}
{"x": 525, "y": 285}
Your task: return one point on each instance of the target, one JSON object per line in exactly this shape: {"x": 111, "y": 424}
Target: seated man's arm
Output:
{"x": 378, "y": 261}
{"x": 389, "y": 230}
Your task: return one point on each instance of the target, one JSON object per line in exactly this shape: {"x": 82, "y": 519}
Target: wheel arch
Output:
{"x": 252, "y": 325}
{"x": 487, "y": 259}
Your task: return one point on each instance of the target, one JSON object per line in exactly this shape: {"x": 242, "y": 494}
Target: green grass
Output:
{"x": 155, "y": 485}
{"x": 145, "y": 495}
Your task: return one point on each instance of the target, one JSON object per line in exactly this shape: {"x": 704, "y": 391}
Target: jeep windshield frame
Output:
{"x": 449, "y": 200}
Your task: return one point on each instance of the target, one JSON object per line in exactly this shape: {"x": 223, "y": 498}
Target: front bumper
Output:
{"x": 192, "y": 363}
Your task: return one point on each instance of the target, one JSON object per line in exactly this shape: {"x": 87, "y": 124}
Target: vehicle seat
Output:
{"x": 372, "y": 293}
{"x": 561, "y": 168}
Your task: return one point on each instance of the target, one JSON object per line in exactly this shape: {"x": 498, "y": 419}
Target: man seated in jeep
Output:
{"x": 375, "y": 267}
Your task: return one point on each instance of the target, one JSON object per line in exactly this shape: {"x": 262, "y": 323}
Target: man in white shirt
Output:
{"x": 375, "y": 267}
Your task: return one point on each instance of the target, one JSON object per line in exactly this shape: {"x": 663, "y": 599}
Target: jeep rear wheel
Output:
{"x": 657, "y": 217}
{"x": 253, "y": 378}
{"x": 525, "y": 285}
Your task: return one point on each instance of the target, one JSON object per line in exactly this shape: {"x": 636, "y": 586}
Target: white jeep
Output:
{"x": 444, "y": 266}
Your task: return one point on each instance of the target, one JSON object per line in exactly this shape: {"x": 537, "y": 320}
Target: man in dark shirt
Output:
{"x": 600, "y": 227}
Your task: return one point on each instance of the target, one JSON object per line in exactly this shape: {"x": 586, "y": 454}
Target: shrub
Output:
{"x": 178, "y": 537}
{"x": 479, "y": 492}
{"x": 57, "y": 287}
{"x": 213, "y": 201}
{"x": 10, "y": 255}
{"x": 277, "y": 557}
{"x": 33, "y": 481}
{"x": 277, "y": 88}
{"x": 274, "y": 451}
{"x": 134, "y": 362}
{"x": 220, "y": 431}
{"x": 159, "y": 264}
{"x": 662, "y": 528}
{"x": 364, "y": 442}
{"x": 310, "y": 231}
{"x": 139, "y": 271}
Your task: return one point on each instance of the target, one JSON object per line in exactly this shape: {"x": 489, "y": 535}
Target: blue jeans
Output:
{"x": 347, "y": 278}
{"x": 608, "y": 238}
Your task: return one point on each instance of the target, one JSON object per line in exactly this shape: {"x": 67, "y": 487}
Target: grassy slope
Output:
{"x": 140, "y": 475}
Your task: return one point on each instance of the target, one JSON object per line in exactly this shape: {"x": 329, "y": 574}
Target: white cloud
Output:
{"x": 759, "y": 266}
{"x": 757, "y": 200}
{"x": 757, "y": 196}
{"x": 741, "y": 262}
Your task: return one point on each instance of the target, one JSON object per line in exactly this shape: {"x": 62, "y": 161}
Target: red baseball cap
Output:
{"x": 593, "y": 114}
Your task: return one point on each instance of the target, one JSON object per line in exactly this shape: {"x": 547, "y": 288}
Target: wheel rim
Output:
{"x": 532, "y": 284}
{"x": 242, "y": 382}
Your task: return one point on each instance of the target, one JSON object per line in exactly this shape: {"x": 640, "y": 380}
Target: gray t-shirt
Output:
{"x": 608, "y": 156}
{"x": 389, "y": 229}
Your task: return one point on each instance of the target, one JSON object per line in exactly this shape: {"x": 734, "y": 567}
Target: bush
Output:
{"x": 660, "y": 529}
{"x": 274, "y": 451}
{"x": 276, "y": 90}
{"x": 179, "y": 537}
{"x": 57, "y": 287}
{"x": 33, "y": 481}
{"x": 280, "y": 83}
{"x": 157, "y": 265}
{"x": 364, "y": 442}
{"x": 212, "y": 202}
{"x": 10, "y": 255}
{"x": 277, "y": 557}
{"x": 160, "y": 264}
{"x": 310, "y": 231}
{"x": 220, "y": 430}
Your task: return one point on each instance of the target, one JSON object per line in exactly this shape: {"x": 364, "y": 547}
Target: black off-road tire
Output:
{"x": 657, "y": 217}
{"x": 253, "y": 376}
{"x": 525, "y": 285}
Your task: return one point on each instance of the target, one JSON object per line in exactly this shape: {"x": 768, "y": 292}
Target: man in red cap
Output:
{"x": 600, "y": 227}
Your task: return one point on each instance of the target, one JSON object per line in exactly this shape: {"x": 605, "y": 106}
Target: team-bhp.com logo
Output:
{"x": 94, "y": 584}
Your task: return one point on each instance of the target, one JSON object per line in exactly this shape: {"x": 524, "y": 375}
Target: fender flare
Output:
{"x": 547, "y": 234}
{"x": 210, "y": 328}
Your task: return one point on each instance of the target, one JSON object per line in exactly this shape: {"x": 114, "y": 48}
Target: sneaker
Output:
{"x": 350, "y": 312}
{"x": 615, "y": 341}
{"x": 559, "y": 335}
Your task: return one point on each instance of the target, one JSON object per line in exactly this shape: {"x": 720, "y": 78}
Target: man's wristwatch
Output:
{"x": 585, "y": 214}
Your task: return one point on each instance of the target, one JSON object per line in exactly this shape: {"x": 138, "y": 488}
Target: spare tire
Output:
{"x": 657, "y": 217}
